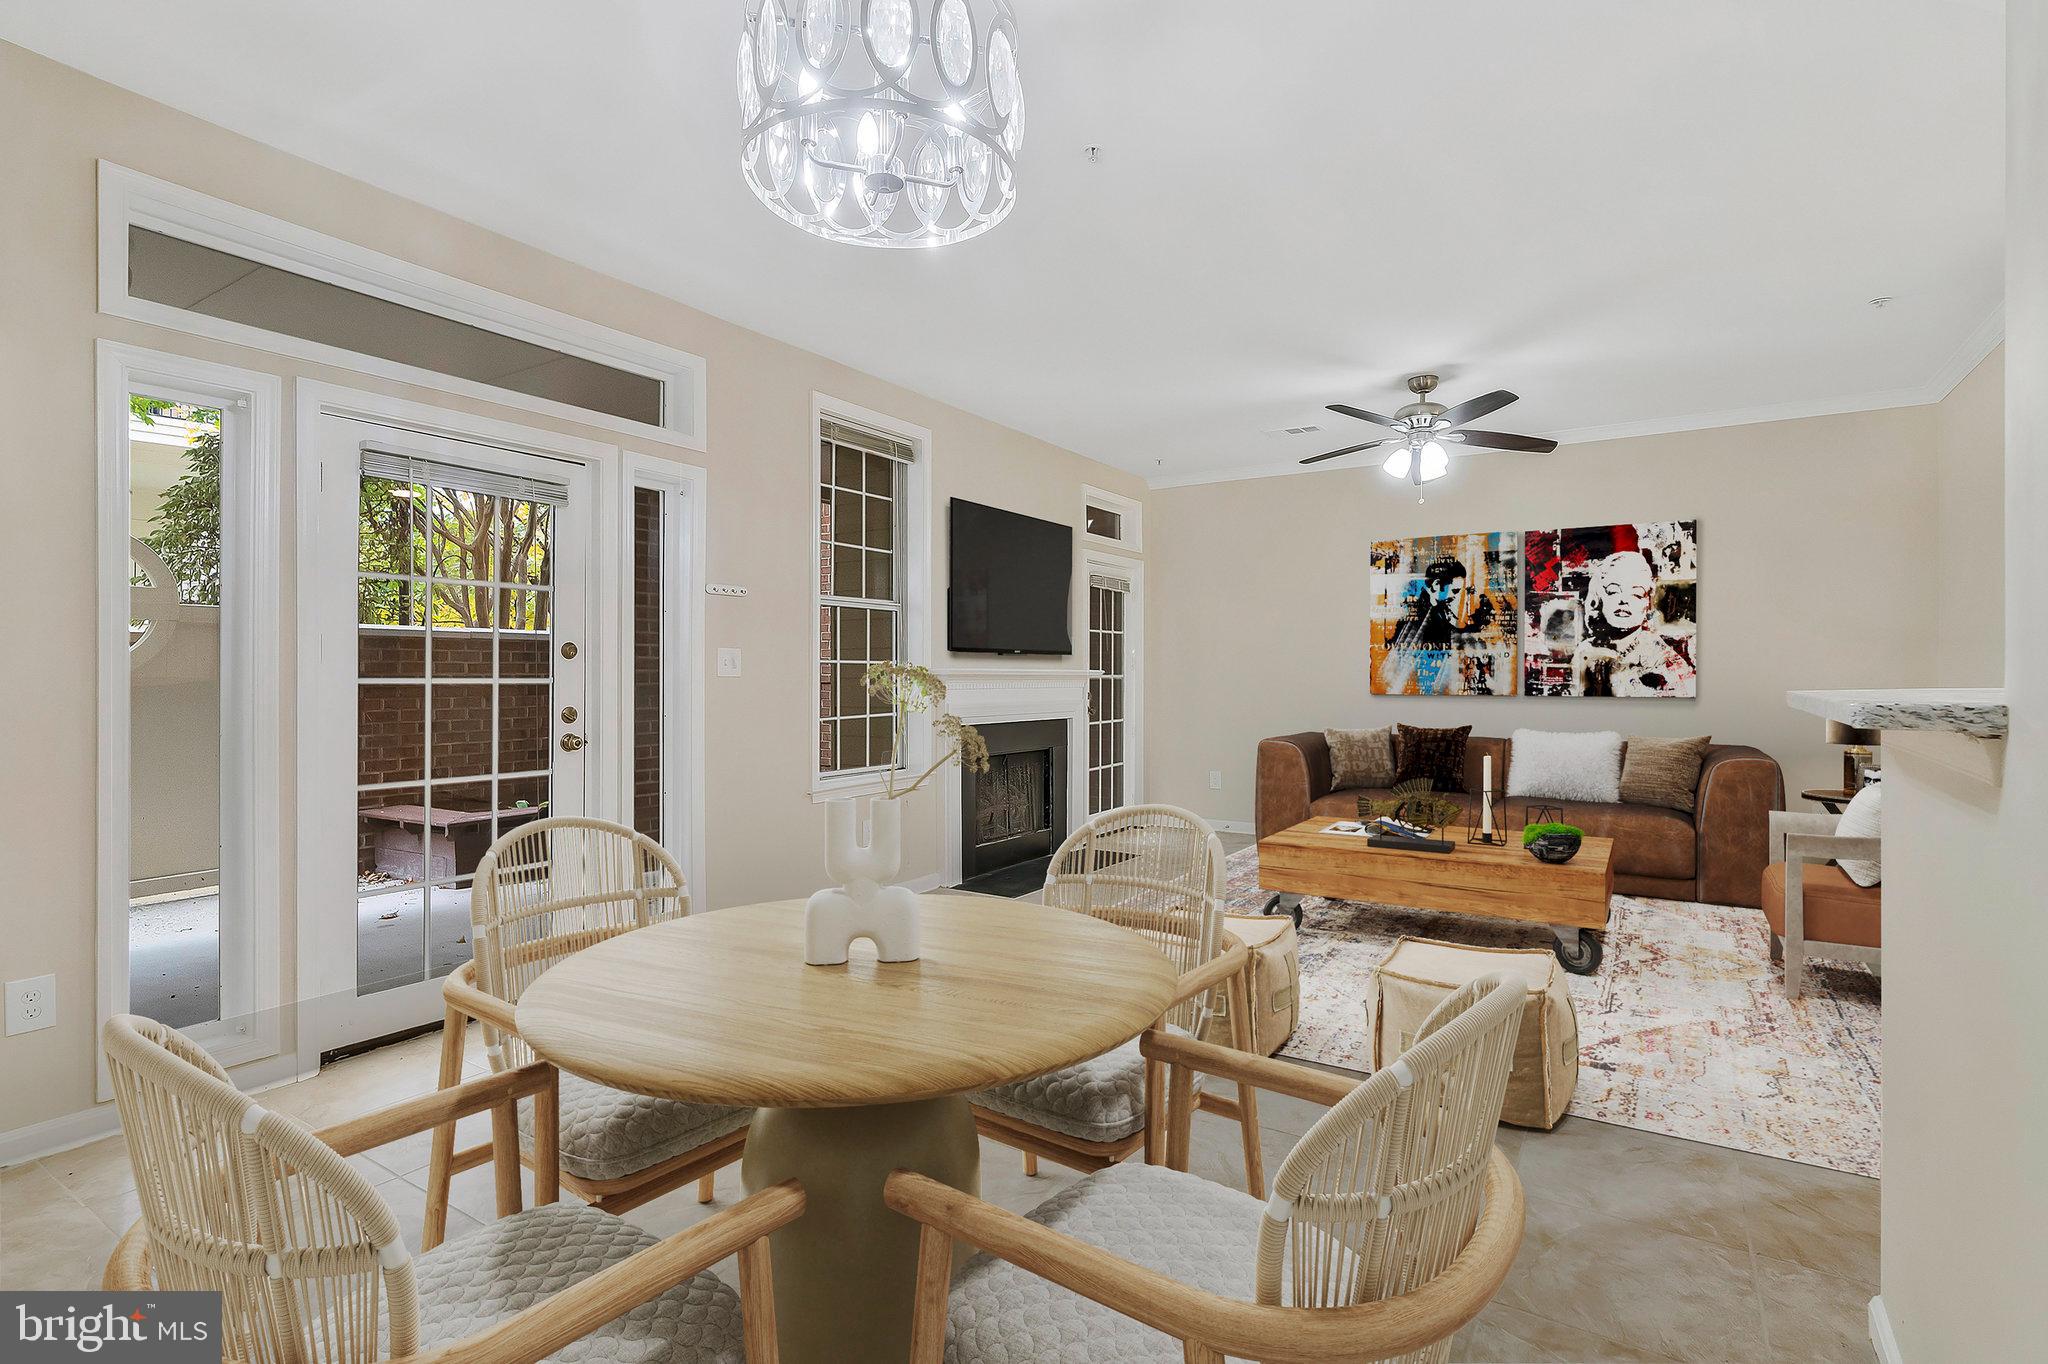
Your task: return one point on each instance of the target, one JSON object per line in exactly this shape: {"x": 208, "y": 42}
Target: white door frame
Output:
{"x": 1123, "y": 566}
{"x": 330, "y": 1011}
{"x": 251, "y": 965}
{"x": 685, "y": 491}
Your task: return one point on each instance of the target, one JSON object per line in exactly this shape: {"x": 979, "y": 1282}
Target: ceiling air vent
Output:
{"x": 1294, "y": 430}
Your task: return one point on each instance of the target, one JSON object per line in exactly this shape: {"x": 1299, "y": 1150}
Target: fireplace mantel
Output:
{"x": 994, "y": 693}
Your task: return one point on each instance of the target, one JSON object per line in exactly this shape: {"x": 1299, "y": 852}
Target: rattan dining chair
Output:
{"x": 311, "y": 1268}
{"x": 1157, "y": 870}
{"x": 541, "y": 893}
{"x": 1391, "y": 1225}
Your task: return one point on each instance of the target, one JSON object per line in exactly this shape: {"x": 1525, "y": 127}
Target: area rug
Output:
{"x": 1684, "y": 1029}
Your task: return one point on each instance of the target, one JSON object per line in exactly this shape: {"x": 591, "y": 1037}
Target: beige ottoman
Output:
{"x": 1419, "y": 973}
{"x": 1274, "y": 980}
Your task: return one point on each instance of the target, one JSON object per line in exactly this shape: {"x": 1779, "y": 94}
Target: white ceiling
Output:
{"x": 1640, "y": 216}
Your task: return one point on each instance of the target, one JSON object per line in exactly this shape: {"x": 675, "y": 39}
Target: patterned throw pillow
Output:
{"x": 1663, "y": 772}
{"x": 1361, "y": 757}
{"x": 1438, "y": 754}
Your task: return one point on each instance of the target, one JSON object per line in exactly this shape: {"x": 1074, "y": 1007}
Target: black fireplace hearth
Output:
{"x": 1014, "y": 815}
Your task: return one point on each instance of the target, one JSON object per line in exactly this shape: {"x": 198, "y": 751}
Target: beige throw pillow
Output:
{"x": 1361, "y": 757}
{"x": 1663, "y": 772}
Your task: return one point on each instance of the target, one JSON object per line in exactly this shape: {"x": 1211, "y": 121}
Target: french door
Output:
{"x": 455, "y": 701}
{"x": 1109, "y": 728}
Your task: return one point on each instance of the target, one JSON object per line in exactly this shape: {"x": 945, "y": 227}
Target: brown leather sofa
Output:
{"x": 1716, "y": 855}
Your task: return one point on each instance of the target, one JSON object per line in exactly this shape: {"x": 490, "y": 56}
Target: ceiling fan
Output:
{"x": 1425, "y": 431}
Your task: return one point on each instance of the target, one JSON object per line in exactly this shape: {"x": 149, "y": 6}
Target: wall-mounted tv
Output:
{"x": 1011, "y": 576}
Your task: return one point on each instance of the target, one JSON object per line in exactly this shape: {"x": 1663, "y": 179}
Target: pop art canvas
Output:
{"x": 1611, "y": 610}
{"x": 1443, "y": 615}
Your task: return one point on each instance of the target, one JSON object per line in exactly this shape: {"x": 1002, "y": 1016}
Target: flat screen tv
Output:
{"x": 1011, "y": 575}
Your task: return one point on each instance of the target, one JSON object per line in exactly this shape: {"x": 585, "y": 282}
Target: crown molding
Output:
{"x": 1971, "y": 352}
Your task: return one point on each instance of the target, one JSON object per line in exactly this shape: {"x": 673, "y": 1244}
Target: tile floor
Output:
{"x": 1638, "y": 1247}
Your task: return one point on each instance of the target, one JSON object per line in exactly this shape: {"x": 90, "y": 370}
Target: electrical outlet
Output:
{"x": 728, "y": 661}
{"x": 1215, "y": 781}
{"x": 31, "y": 1004}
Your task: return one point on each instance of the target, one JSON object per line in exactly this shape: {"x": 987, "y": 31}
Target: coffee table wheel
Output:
{"x": 1581, "y": 956}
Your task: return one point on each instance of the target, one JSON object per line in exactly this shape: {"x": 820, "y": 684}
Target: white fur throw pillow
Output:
{"x": 1861, "y": 820}
{"x": 1544, "y": 764}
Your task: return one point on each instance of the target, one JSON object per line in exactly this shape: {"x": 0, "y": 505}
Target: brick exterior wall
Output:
{"x": 647, "y": 575}
{"x": 390, "y": 719}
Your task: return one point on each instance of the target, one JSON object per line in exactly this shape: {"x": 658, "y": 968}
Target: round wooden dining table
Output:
{"x": 856, "y": 1070}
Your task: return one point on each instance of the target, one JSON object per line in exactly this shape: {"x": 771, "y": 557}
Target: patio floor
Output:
{"x": 174, "y": 949}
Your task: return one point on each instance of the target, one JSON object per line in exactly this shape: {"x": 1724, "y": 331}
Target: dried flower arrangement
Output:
{"x": 911, "y": 689}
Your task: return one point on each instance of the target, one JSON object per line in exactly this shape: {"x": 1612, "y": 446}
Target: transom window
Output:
{"x": 861, "y": 572}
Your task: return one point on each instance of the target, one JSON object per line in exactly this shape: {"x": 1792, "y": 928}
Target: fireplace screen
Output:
{"x": 1012, "y": 800}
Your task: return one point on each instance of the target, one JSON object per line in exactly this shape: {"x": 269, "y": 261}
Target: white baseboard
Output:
{"x": 48, "y": 1138}
{"x": 1881, "y": 1338}
{"x": 1232, "y": 826}
{"x": 929, "y": 881}
{"x": 58, "y": 1134}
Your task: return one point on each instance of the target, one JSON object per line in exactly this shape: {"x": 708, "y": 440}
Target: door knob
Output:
{"x": 571, "y": 742}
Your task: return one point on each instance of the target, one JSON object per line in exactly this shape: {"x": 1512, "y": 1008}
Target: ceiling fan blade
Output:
{"x": 1366, "y": 416}
{"x": 1473, "y": 409}
{"x": 1347, "y": 450}
{"x": 1501, "y": 440}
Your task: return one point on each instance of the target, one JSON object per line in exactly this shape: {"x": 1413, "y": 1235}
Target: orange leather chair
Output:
{"x": 1813, "y": 906}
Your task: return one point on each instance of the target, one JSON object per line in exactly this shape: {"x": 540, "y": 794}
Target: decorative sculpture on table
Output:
{"x": 862, "y": 905}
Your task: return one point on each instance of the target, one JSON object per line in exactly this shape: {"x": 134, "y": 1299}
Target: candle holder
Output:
{"x": 1487, "y": 825}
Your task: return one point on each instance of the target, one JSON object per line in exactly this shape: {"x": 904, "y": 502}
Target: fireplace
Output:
{"x": 1013, "y": 815}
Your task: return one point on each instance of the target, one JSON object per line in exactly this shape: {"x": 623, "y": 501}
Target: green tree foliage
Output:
{"x": 186, "y": 534}
{"x": 466, "y": 540}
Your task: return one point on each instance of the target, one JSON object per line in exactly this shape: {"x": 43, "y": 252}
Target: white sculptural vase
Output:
{"x": 861, "y": 905}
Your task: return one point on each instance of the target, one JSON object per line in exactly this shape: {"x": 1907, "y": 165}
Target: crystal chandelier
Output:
{"x": 882, "y": 122}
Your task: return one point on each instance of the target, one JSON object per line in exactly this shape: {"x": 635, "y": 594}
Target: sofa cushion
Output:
{"x": 1837, "y": 909}
{"x": 1648, "y": 840}
{"x": 1342, "y": 804}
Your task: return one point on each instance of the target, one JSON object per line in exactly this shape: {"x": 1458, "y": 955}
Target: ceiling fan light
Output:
{"x": 1435, "y": 462}
{"x": 1397, "y": 463}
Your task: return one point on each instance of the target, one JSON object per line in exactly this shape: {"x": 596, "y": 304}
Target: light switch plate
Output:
{"x": 728, "y": 661}
{"x": 31, "y": 1004}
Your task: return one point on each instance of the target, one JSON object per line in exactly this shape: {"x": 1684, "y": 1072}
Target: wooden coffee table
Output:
{"x": 1492, "y": 881}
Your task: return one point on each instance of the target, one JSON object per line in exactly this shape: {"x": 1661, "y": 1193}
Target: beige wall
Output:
{"x": 1969, "y": 628}
{"x": 1965, "y": 935}
{"x": 765, "y": 834}
{"x": 1818, "y": 568}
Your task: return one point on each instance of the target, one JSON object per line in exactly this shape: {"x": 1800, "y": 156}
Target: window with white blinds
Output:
{"x": 862, "y": 549}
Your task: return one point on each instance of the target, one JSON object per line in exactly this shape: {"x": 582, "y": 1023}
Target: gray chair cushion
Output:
{"x": 472, "y": 1283}
{"x": 1200, "y": 1233}
{"x": 610, "y": 1134}
{"x": 1099, "y": 1099}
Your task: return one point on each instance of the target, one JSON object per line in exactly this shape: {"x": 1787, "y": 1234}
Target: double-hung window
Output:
{"x": 863, "y": 481}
